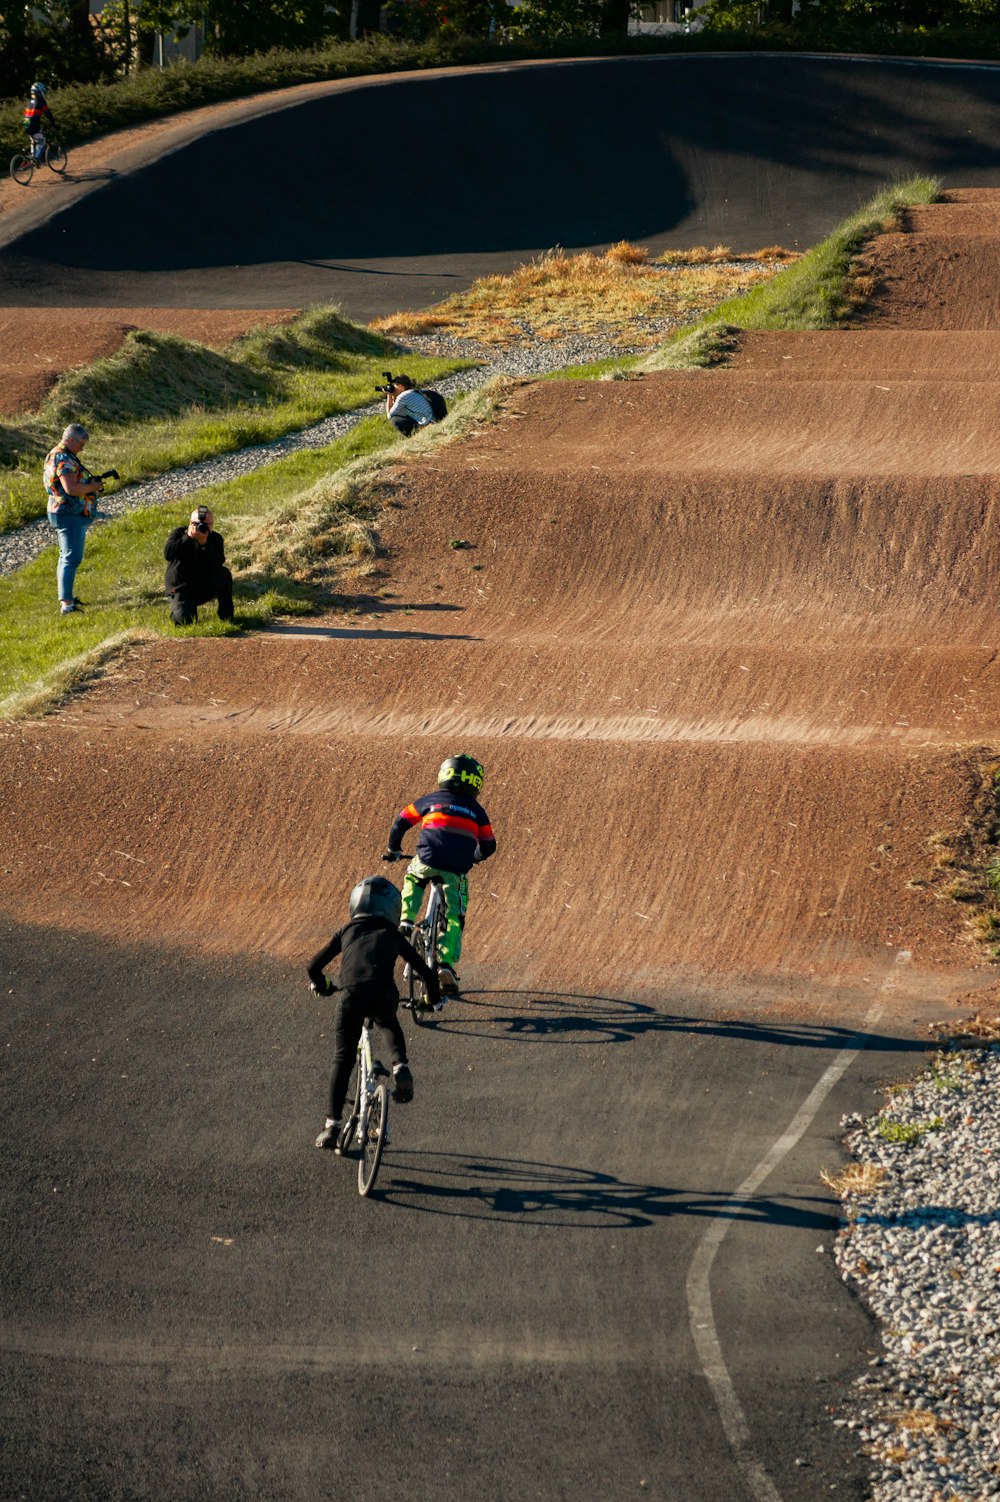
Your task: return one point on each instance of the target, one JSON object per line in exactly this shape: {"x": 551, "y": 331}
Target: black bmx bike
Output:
{"x": 23, "y": 163}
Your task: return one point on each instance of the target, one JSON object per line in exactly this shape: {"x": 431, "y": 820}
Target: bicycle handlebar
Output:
{"x": 394, "y": 855}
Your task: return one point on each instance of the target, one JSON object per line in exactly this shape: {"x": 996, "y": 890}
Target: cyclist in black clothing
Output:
{"x": 369, "y": 946}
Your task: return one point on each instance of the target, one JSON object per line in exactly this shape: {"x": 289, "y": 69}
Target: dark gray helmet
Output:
{"x": 376, "y": 897}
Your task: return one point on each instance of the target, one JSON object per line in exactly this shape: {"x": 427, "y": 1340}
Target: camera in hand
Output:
{"x": 387, "y": 374}
{"x": 201, "y": 525}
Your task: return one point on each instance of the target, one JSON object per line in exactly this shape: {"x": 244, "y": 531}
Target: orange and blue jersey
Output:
{"x": 454, "y": 834}
{"x": 37, "y": 117}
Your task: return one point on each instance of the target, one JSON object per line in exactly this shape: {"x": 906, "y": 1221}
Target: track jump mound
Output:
{"x": 942, "y": 270}
{"x": 37, "y": 347}
{"x": 725, "y": 640}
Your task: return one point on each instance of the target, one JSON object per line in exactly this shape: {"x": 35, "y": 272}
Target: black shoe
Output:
{"x": 328, "y": 1137}
{"x": 402, "y": 1085}
{"x": 406, "y": 929}
{"x": 448, "y": 981}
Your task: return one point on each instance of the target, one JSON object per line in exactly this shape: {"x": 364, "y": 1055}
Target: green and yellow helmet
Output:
{"x": 461, "y": 771}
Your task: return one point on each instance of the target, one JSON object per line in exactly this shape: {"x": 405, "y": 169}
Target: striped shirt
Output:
{"x": 452, "y": 828}
{"x": 413, "y": 404}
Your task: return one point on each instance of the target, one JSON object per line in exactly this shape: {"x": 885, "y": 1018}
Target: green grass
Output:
{"x": 121, "y": 578}
{"x": 162, "y": 402}
{"x": 907, "y": 1132}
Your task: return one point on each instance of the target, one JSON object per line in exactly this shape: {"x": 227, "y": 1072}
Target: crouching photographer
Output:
{"x": 196, "y": 569}
{"x": 407, "y": 408}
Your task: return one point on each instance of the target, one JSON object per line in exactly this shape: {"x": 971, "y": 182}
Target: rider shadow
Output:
{"x": 567, "y": 1017}
{"x": 523, "y": 1192}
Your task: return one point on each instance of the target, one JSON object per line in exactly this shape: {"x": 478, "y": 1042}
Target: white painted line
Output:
{"x": 699, "y": 1293}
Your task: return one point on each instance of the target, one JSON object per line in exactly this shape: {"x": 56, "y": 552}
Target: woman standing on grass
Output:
{"x": 72, "y": 506}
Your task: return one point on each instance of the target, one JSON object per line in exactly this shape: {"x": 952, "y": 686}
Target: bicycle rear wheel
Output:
{"x": 374, "y": 1137}
{"x": 417, "y": 1000}
{"x": 22, "y": 169}
{"x": 56, "y": 158}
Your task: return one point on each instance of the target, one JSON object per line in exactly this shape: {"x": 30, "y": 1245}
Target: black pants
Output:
{"x": 351, "y": 1010}
{"x": 404, "y": 425}
{"x": 185, "y": 599}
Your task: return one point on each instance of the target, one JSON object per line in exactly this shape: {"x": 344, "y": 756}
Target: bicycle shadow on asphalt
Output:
{"x": 550, "y": 1194}
{"x": 569, "y": 1017}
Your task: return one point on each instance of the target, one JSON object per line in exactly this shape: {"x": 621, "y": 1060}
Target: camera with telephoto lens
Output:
{"x": 201, "y": 525}
{"x": 388, "y": 386}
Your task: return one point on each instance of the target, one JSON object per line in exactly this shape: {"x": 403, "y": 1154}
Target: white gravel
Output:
{"x": 529, "y": 358}
{"x": 923, "y": 1250}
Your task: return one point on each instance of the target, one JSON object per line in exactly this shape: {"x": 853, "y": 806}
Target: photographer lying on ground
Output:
{"x": 196, "y": 571}
{"x": 407, "y": 408}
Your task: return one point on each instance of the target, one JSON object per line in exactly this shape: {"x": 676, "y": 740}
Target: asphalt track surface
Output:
{"x": 198, "y": 1305}
{"x": 389, "y": 194}
{"x": 597, "y": 1264}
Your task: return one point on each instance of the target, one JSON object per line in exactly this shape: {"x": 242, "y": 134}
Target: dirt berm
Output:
{"x": 725, "y": 641}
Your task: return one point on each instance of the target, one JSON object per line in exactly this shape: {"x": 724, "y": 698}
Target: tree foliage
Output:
{"x": 877, "y": 15}
{"x": 238, "y": 28}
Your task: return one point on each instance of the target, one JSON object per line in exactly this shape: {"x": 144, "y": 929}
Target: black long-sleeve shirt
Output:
{"x": 369, "y": 949}
{"x": 193, "y": 563}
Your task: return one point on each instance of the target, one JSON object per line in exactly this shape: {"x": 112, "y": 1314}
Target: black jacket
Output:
{"x": 369, "y": 949}
{"x": 191, "y": 563}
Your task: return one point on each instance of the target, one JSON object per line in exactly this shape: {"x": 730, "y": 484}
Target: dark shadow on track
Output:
{"x": 575, "y": 1018}
{"x": 345, "y": 633}
{"x": 551, "y": 1194}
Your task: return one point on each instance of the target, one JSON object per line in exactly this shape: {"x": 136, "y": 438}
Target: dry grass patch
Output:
{"x": 622, "y": 295}
{"x": 969, "y": 1032}
{"x": 920, "y": 1421}
{"x": 856, "y": 1178}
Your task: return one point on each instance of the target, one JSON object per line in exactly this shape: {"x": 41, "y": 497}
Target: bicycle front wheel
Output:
{"x": 350, "y": 1125}
{"x": 56, "y": 158}
{"x": 374, "y": 1137}
{"x": 22, "y": 169}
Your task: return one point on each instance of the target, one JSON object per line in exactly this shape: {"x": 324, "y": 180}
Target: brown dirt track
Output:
{"x": 725, "y": 640}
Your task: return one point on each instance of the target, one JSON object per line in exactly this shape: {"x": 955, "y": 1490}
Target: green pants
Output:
{"x": 456, "y": 901}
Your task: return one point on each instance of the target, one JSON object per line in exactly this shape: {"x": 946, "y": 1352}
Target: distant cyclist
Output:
{"x": 455, "y": 835}
{"x": 369, "y": 946}
{"x": 37, "y": 118}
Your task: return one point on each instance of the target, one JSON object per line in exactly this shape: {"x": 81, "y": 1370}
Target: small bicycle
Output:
{"x": 23, "y": 163}
{"x": 426, "y": 938}
{"x": 367, "y": 1123}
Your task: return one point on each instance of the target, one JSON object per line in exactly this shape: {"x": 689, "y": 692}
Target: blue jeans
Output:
{"x": 72, "y": 537}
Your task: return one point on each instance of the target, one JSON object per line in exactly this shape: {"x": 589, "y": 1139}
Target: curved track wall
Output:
{"x": 391, "y": 194}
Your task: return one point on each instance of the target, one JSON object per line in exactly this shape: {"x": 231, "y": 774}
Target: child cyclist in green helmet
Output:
{"x": 455, "y": 835}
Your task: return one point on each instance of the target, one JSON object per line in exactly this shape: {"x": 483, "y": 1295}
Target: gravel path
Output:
{"x": 923, "y": 1250}
{"x": 529, "y": 358}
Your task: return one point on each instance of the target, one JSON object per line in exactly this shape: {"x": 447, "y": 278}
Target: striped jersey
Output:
{"x": 453, "y": 827}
